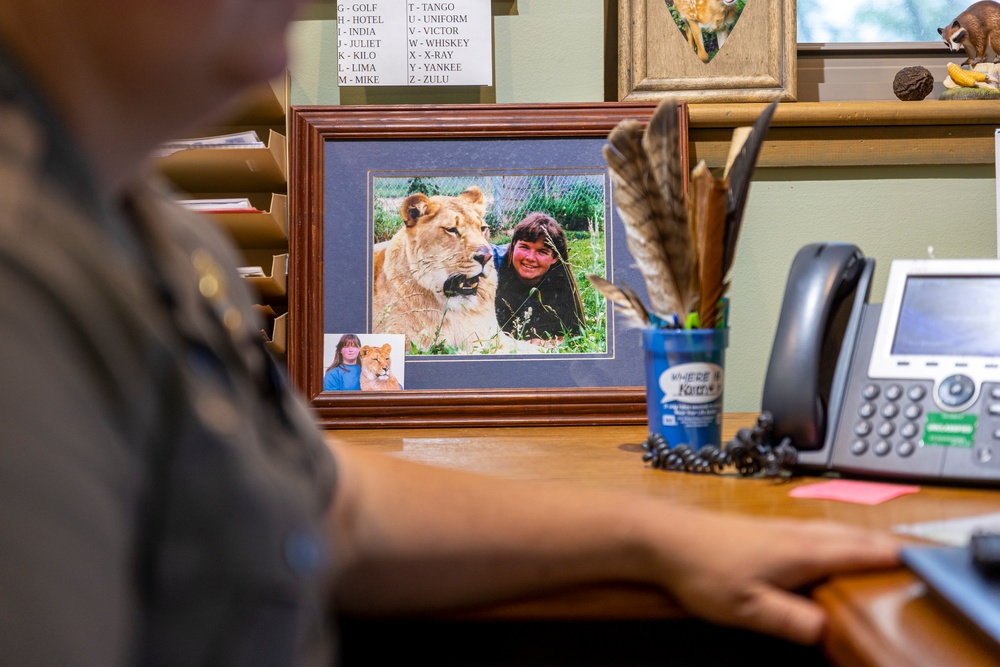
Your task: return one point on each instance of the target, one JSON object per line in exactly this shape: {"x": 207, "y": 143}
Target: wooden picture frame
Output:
{"x": 756, "y": 63}
{"x": 521, "y": 134}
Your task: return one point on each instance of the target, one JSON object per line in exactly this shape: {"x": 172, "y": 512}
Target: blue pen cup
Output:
{"x": 685, "y": 375}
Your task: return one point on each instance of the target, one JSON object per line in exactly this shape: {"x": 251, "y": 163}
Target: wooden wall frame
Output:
{"x": 311, "y": 129}
{"x": 756, "y": 64}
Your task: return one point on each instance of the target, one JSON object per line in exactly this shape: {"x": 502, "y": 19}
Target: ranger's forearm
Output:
{"x": 412, "y": 536}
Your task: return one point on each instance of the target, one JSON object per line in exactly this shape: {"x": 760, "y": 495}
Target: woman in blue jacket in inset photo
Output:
{"x": 345, "y": 371}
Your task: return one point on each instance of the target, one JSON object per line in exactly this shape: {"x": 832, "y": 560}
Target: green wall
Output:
{"x": 553, "y": 51}
{"x": 888, "y": 212}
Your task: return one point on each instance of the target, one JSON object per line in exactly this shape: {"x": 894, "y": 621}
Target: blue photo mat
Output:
{"x": 347, "y": 250}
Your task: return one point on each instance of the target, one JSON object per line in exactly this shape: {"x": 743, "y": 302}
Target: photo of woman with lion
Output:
{"x": 438, "y": 245}
{"x": 537, "y": 296}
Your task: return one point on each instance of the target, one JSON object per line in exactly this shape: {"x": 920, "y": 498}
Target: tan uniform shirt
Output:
{"x": 161, "y": 491}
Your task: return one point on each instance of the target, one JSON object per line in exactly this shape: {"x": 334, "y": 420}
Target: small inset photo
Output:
{"x": 363, "y": 362}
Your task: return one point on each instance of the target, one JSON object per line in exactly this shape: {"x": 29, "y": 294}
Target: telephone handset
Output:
{"x": 909, "y": 388}
{"x": 821, "y": 311}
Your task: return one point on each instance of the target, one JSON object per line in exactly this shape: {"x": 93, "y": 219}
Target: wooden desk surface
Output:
{"x": 878, "y": 619}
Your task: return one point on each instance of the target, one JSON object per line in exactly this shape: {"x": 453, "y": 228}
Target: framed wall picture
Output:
{"x": 707, "y": 50}
{"x": 416, "y": 221}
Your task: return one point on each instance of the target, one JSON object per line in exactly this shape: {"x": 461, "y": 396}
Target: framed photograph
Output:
{"x": 467, "y": 233}
{"x": 707, "y": 50}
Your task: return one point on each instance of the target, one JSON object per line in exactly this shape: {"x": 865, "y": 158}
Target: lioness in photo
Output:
{"x": 435, "y": 281}
{"x": 376, "y": 369}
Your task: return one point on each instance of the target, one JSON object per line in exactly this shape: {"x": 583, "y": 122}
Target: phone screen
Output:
{"x": 949, "y": 316}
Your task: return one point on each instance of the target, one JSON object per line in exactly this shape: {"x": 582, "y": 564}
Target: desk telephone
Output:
{"x": 909, "y": 388}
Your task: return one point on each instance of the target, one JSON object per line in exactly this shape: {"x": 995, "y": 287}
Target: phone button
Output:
{"x": 890, "y": 410}
{"x": 885, "y": 429}
{"x": 908, "y": 430}
{"x": 859, "y": 447}
{"x": 870, "y": 392}
{"x": 866, "y": 410}
{"x": 882, "y": 447}
{"x": 893, "y": 392}
{"x": 915, "y": 393}
{"x": 862, "y": 428}
{"x": 956, "y": 390}
{"x": 912, "y": 411}
{"x": 905, "y": 448}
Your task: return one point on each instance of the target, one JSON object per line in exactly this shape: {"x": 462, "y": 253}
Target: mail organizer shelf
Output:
{"x": 264, "y": 229}
{"x": 272, "y": 287}
{"x": 274, "y": 329}
{"x": 262, "y": 106}
{"x": 229, "y": 169}
{"x": 259, "y": 175}
{"x": 279, "y": 335}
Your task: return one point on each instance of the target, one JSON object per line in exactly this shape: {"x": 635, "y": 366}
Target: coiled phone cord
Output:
{"x": 752, "y": 453}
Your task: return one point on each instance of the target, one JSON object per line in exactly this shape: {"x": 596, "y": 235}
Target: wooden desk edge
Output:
{"x": 850, "y": 637}
{"x": 889, "y": 619}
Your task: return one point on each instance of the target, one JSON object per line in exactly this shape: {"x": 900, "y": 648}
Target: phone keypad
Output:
{"x": 890, "y": 418}
{"x": 885, "y": 412}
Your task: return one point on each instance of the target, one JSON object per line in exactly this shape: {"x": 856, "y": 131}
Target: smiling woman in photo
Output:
{"x": 537, "y": 296}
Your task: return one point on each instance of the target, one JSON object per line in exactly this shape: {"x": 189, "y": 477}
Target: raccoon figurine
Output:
{"x": 975, "y": 29}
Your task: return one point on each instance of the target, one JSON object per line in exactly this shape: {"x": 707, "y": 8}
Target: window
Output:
{"x": 867, "y": 21}
{"x": 850, "y": 50}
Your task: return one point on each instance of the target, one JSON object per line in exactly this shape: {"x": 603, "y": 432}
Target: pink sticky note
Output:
{"x": 864, "y": 493}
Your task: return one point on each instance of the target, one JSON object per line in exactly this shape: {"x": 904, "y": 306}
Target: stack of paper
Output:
{"x": 247, "y": 139}
{"x": 225, "y": 205}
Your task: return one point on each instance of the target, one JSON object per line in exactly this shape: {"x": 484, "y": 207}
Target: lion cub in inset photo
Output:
{"x": 376, "y": 369}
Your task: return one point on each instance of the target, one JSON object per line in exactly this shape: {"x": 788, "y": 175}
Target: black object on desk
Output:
{"x": 951, "y": 573}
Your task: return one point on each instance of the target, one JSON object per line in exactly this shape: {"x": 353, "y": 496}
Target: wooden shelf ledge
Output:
{"x": 851, "y": 134}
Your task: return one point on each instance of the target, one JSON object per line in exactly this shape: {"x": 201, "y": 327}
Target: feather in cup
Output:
{"x": 628, "y": 302}
{"x": 683, "y": 251}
